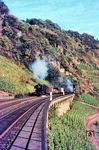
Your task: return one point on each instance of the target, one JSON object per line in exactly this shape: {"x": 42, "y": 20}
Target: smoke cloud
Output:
{"x": 39, "y": 69}
{"x": 67, "y": 85}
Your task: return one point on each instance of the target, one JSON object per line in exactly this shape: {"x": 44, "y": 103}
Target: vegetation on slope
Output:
{"x": 89, "y": 99}
{"x": 26, "y": 41}
{"x": 68, "y": 132}
{"x": 15, "y": 79}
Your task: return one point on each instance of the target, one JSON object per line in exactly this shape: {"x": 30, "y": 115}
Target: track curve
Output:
{"x": 13, "y": 121}
{"x": 23, "y": 124}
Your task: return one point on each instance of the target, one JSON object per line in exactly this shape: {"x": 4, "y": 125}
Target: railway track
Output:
{"x": 8, "y": 107}
{"x": 22, "y": 122}
{"x": 18, "y": 99}
{"x": 23, "y": 126}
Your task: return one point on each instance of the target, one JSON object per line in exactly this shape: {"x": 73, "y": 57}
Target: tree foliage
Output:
{"x": 53, "y": 76}
{"x": 3, "y": 8}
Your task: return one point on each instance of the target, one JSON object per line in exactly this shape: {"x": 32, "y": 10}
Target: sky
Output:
{"x": 76, "y": 15}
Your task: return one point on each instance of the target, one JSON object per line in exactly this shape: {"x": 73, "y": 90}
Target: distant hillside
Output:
{"x": 76, "y": 54}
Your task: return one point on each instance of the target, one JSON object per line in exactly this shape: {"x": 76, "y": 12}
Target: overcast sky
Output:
{"x": 77, "y": 15}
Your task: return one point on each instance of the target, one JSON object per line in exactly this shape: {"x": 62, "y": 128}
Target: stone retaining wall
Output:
{"x": 63, "y": 103}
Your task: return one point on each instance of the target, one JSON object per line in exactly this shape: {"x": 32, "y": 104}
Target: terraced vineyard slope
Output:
{"x": 68, "y": 132}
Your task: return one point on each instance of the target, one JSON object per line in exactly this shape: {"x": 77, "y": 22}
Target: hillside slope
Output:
{"x": 15, "y": 79}
{"x": 75, "y": 55}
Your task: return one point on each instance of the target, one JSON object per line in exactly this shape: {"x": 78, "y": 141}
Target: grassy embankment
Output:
{"x": 15, "y": 79}
{"x": 90, "y": 100}
{"x": 68, "y": 132}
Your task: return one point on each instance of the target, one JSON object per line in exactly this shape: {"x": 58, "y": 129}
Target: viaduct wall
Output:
{"x": 63, "y": 103}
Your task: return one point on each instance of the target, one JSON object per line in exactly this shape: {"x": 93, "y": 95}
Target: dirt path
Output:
{"x": 89, "y": 126}
{"x": 92, "y": 106}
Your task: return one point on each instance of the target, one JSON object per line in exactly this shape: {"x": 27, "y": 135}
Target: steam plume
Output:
{"x": 67, "y": 85}
{"x": 39, "y": 69}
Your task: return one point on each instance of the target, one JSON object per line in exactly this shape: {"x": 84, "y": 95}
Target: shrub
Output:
{"x": 53, "y": 75}
{"x": 64, "y": 58}
{"x": 3, "y": 8}
{"x": 53, "y": 51}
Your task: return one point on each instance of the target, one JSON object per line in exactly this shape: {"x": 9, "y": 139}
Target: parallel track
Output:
{"x": 8, "y": 107}
{"x": 24, "y": 128}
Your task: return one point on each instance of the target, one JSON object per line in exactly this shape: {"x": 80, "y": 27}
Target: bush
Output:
{"x": 84, "y": 66}
{"x": 53, "y": 51}
{"x": 3, "y": 8}
{"x": 63, "y": 62}
{"x": 53, "y": 76}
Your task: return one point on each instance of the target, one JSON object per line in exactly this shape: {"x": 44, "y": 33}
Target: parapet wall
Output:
{"x": 63, "y": 103}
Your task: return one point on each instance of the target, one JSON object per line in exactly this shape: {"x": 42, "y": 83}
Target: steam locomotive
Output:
{"x": 45, "y": 90}
{"x": 41, "y": 90}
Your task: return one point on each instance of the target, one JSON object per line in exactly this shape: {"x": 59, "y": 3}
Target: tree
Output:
{"x": 3, "y": 12}
{"x": 53, "y": 76}
{"x": 3, "y": 8}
